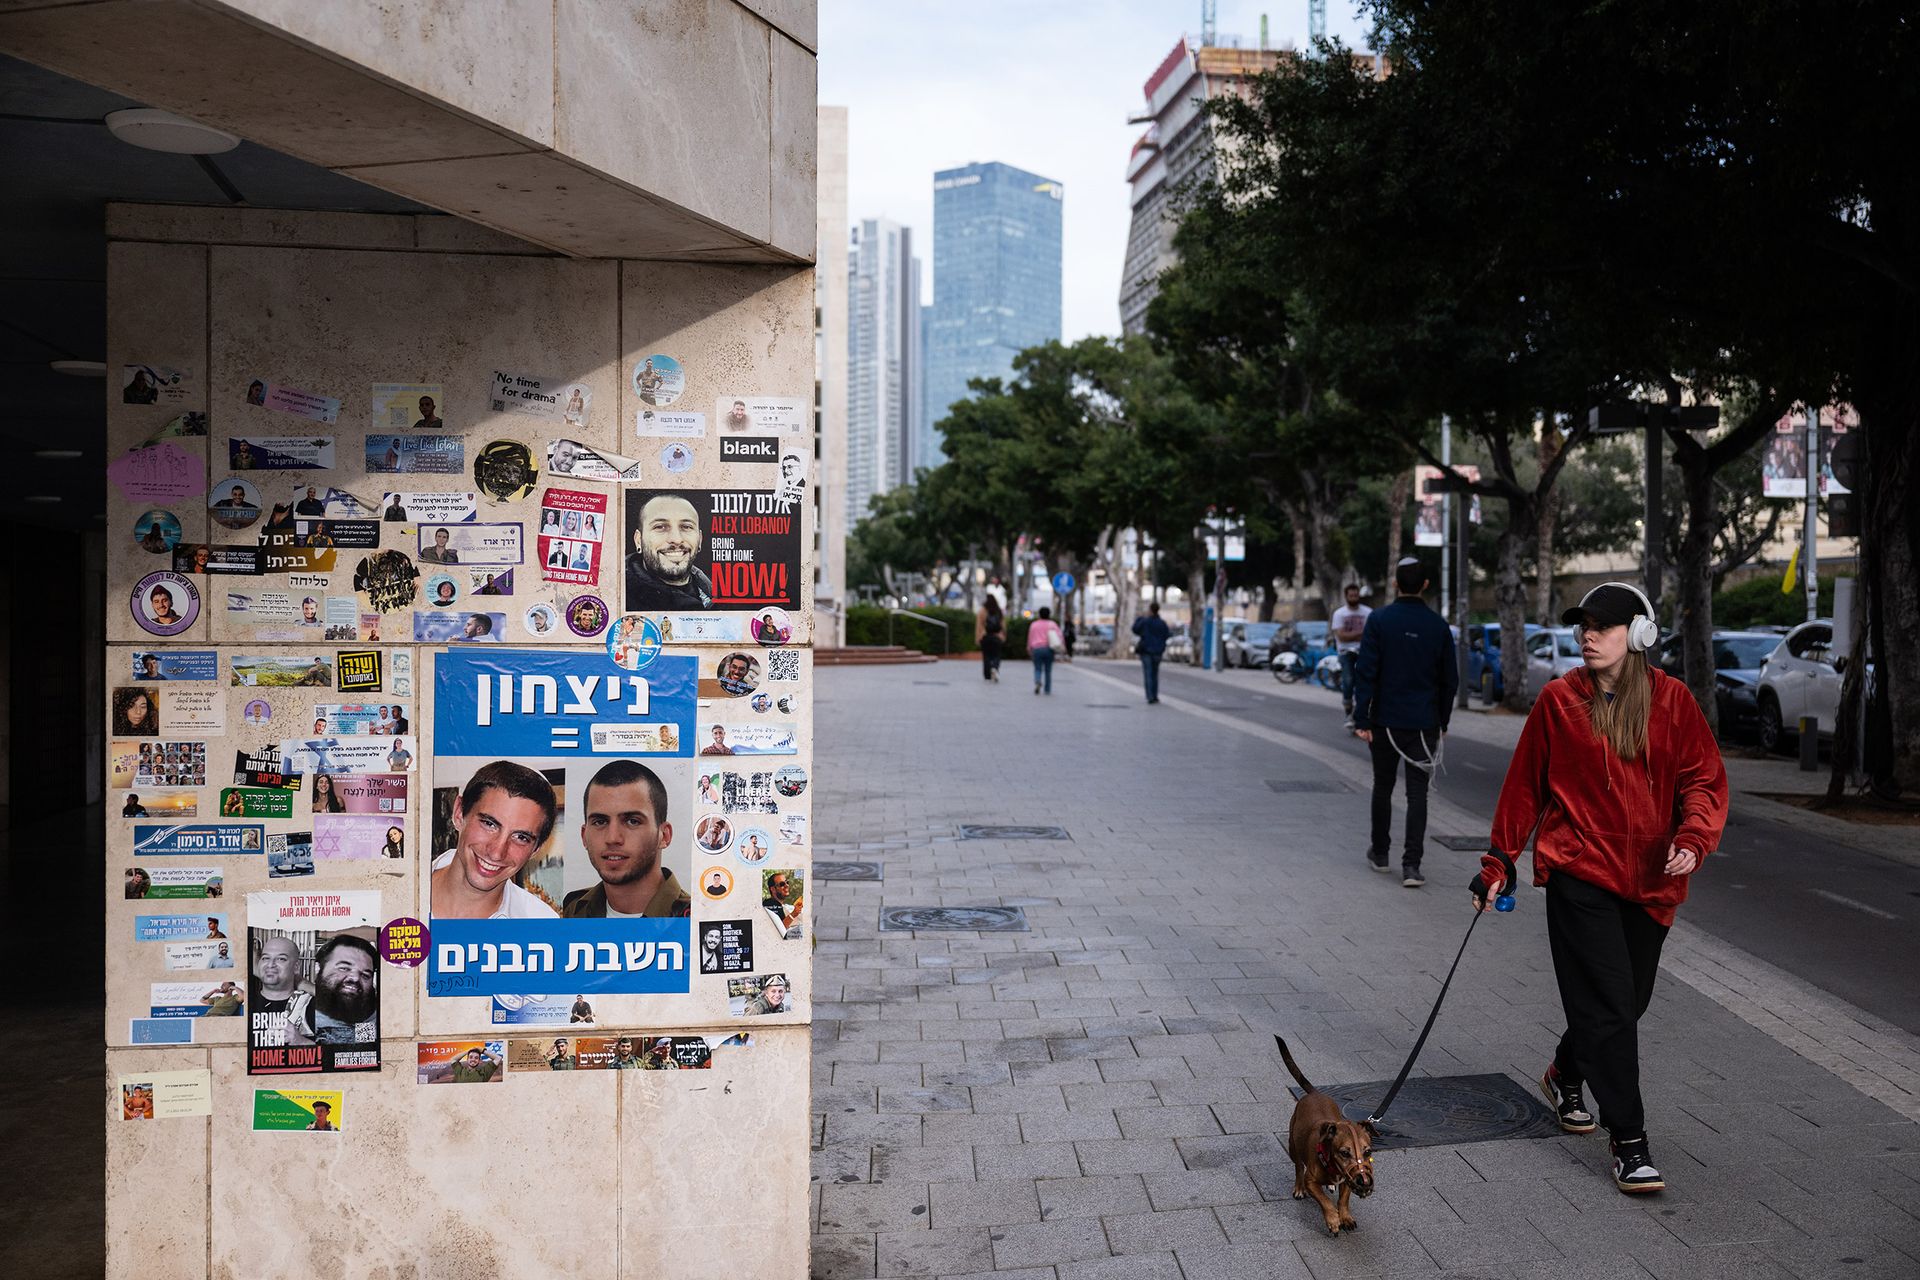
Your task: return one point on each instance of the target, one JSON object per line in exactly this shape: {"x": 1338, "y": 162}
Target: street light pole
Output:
{"x": 1654, "y": 522}
{"x": 1446, "y": 523}
{"x": 1810, "y": 552}
{"x": 1461, "y": 536}
{"x": 1220, "y": 596}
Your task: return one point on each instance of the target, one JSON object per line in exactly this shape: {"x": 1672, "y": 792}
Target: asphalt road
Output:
{"x": 1844, "y": 920}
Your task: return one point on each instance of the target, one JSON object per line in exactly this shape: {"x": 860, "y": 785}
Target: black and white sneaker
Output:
{"x": 1567, "y": 1102}
{"x": 1378, "y": 861}
{"x": 1633, "y": 1170}
{"x": 1410, "y": 876}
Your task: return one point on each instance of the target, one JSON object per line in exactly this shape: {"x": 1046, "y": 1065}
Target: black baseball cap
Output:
{"x": 1610, "y": 603}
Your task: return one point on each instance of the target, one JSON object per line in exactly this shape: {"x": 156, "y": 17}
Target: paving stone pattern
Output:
{"x": 1100, "y": 1099}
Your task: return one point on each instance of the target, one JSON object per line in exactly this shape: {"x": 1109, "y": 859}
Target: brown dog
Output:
{"x": 1328, "y": 1150}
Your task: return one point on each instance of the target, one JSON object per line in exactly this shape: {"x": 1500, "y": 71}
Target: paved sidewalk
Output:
{"x": 1099, "y": 1098}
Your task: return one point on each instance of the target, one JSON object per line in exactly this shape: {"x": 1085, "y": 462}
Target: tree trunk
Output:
{"x": 1890, "y": 521}
{"x": 1196, "y": 593}
{"x": 1546, "y": 517}
{"x": 1328, "y": 572}
{"x": 1298, "y": 519}
{"x": 1510, "y": 598}
{"x": 1109, "y": 552}
{"x": 1396, "y": 515}
{"x": 1693, "y": 616}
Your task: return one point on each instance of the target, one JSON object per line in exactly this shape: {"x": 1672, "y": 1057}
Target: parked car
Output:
{"x": 1250, "y": 644}
{"x": 1094, "y": 639}
{"x": 1483, "y": 659}
{"x": 1179, "y": 646}
{"x": 1737, "y": 656}
{"x": 1551, "y": 653}
{"x": 1801, "y": 677}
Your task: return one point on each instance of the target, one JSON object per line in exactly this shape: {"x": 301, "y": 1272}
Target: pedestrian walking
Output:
{"x": 1043, "y": 637}
{"x": 1619, "y": 773}
{"x": 1348, "y": 623}
{"x": 1151, "y": 632}
{"x": 1403, "y": 687}
{"x": 990, "y": 633}
{"x": 1071, "y": 635}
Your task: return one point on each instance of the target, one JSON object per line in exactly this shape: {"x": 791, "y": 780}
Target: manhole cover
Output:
{"x": 846, "y": 871}
{"x": 1466, "y": 844}
{"x": 975, "y": 919}
{"x": 1289, "y": 785}
{"x": 1437, "y": 1111}
{"x": 983, "y": 831}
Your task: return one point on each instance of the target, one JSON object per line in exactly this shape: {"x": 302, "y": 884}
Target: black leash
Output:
{"x": 1420, "y": 1044}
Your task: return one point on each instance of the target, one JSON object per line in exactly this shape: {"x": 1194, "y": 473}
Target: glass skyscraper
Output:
{"x": 996, "y": 281}
{"x": 884, "y": 392}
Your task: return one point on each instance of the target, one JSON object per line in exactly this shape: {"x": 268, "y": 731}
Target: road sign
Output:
{"x": 1063, "y": 583}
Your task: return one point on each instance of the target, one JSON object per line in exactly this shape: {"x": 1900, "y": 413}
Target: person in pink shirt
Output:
{"x": 1043, "y": 637}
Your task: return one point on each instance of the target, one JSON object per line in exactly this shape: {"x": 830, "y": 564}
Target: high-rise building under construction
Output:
{"x": 1177, "y": 150}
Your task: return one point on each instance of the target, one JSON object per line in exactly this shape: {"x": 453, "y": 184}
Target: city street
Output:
{"x": 1099, "y": 1096}
{"x": 1832, "y": 913}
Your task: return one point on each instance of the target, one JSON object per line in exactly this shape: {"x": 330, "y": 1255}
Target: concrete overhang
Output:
{"x": 680, "y": 129}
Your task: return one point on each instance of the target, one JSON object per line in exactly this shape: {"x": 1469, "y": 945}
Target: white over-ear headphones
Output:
{"x": 1643, "y": 633}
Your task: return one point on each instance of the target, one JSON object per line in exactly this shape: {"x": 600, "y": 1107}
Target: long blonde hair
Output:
{"x": 1621, "y": 721}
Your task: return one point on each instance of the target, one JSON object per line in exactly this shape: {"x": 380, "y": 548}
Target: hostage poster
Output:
{"x": 711, "y": 549}
{"x": 313, "y": 982}
{"x": 572, "y": 524}
{"x": 560, "y": 785}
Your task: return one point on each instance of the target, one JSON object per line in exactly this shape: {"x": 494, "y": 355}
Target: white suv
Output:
{"x": 1798, "y": 679}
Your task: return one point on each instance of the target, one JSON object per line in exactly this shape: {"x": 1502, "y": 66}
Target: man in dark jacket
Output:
{"x": 1403, "y": 689}
{"x": 1152, "y": 631}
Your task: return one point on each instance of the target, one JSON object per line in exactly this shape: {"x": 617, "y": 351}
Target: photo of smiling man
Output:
{"x": 625, "y": 831}
{"x": 501, "y": 818}
{"x": 661, "y": 574}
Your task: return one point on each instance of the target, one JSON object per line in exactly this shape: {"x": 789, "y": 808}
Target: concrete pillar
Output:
{"x": 641, "y": 1173}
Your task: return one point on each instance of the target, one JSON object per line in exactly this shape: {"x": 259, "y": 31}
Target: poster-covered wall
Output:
{"x": 459, "y": 733}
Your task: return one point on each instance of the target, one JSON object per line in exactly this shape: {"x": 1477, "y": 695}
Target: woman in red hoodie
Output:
{"x": 1618, "y": 781}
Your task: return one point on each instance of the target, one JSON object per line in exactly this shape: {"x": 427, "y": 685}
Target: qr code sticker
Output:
{"x": 783, "y": 665}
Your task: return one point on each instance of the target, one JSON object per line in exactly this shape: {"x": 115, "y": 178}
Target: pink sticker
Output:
{"x": 159, "y": 472}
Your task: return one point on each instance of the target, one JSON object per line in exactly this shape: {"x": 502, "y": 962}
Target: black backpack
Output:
{"x": 993, "y": 624}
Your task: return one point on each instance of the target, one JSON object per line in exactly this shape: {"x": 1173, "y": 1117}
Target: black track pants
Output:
{"x": 1606, "y": 952}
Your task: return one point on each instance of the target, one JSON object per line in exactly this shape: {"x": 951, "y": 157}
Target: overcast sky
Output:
{"x": 1045, "y": 85}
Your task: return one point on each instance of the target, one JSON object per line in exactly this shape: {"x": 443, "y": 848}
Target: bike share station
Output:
{"x": 459, "y": 577}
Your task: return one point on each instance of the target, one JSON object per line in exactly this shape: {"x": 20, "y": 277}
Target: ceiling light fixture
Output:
{"x": 43, "y": 497}
{"x": 80, "y": 368}
{"x": 59, "y": 453}
{"x": 164, "y": 131}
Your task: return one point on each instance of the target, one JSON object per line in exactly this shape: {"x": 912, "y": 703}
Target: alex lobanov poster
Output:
{"x": 699, "y": 549}
{"x": 565, "y": 716}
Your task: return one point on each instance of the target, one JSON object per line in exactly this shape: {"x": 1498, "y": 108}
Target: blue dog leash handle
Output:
{"x": 1503, "y": 903}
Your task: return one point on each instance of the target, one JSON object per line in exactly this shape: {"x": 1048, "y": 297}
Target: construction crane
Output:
{"x": 1209, "y": 21}
{"x": 1316, "y": 19}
